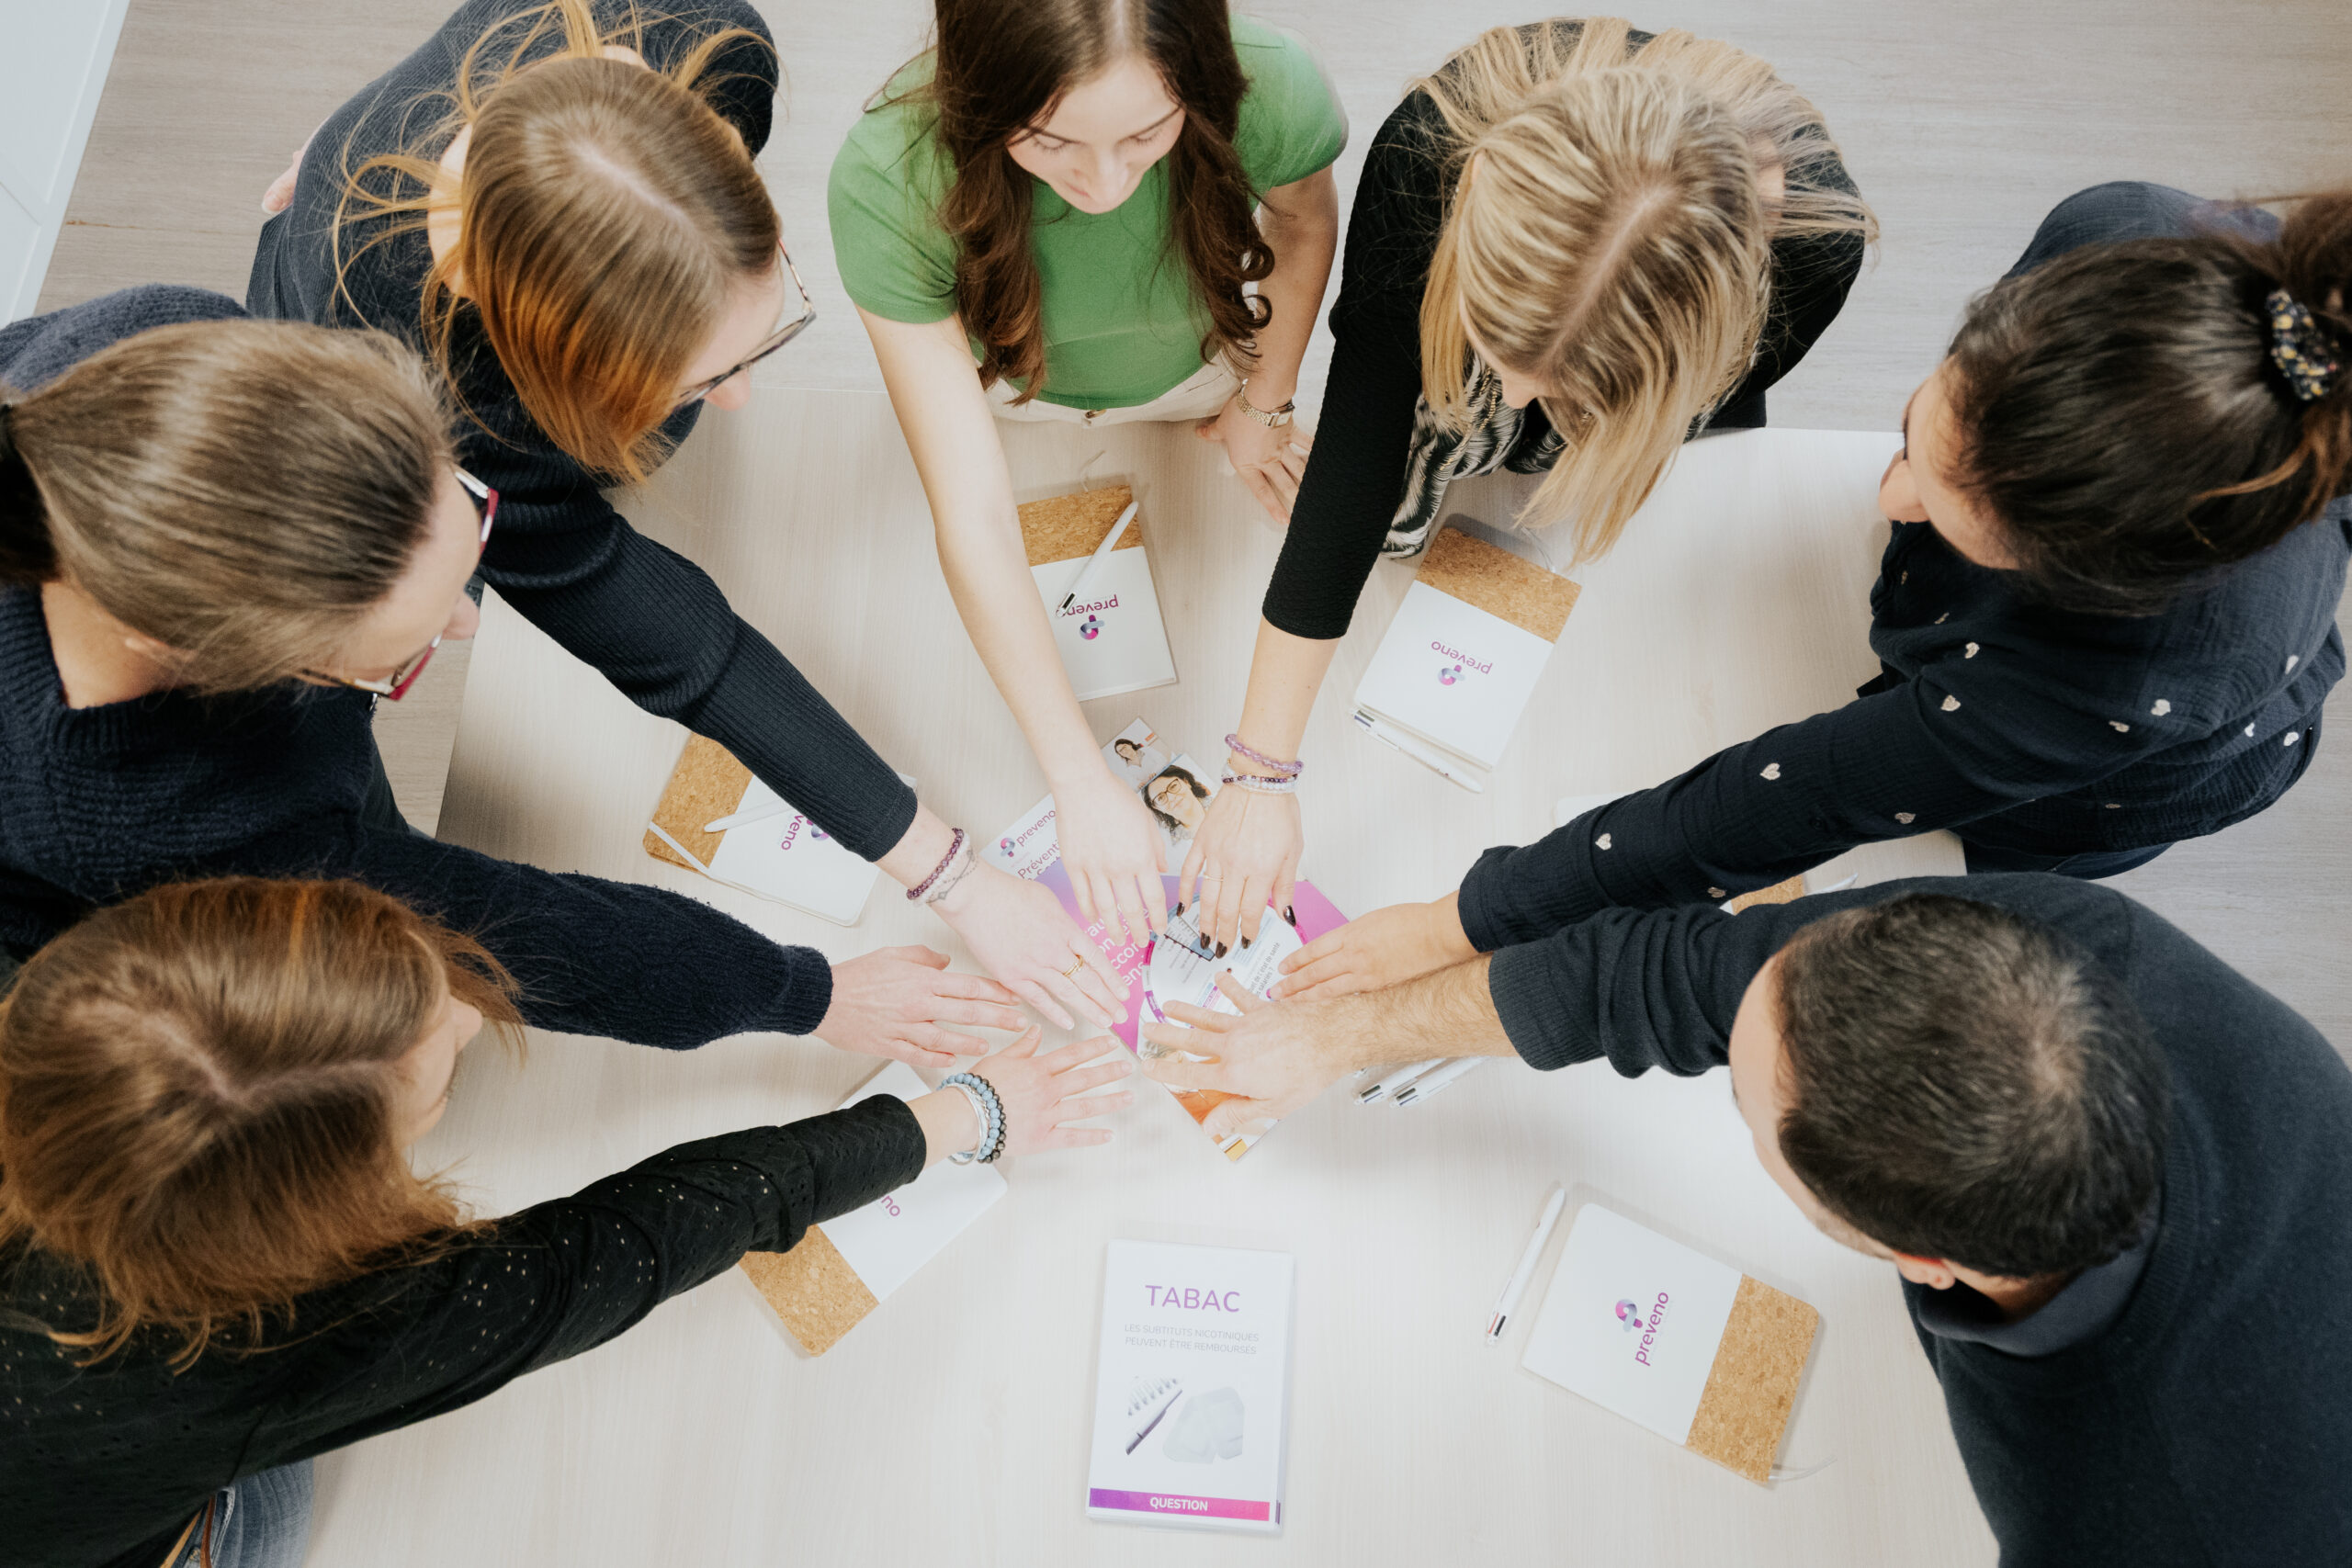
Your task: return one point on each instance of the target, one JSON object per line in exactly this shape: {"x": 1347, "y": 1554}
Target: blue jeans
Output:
{"x": 264, "y": 1521}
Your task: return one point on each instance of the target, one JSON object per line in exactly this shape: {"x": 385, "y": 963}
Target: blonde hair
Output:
{"x": 604, "y": 212}
{"x": 199, "y": 1100}
{"x": 245, "y": 492}
{"x": 1611, "y": 242}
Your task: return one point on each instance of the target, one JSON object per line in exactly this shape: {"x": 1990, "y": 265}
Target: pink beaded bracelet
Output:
{"x": 1279, "y": 768}
{"x": 914, "y": 894}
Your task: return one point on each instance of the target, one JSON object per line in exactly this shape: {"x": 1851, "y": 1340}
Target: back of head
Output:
{"x": 605, "y": 212}
{"x": 198, "y": 1092}
{"x": 2137, "y": 416}
{"x": 240, "y": 492}
{"x": 1003, "y": 66}
{"x": 1607, "y": 236}
{"x": 1962, "y": 1083}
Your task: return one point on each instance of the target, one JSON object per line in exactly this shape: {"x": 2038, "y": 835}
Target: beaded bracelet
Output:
{"x": 947, "y": 883}
{"x": 991, "y": 1112}
{"x": 915, "y": 893}
{"x": 1278, "y": 768}
{"x": 1259, "y": 785}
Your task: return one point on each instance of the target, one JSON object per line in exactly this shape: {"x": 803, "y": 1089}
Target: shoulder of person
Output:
{"x": 894, "y": 142}
{"x": 37, "y": 349}
{"x": 1291, "y": 117}
{"x": 2120, "y": 210}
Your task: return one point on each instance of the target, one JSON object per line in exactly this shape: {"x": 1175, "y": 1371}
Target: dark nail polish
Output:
{"x": 1290, "y": 917}
{"x": 1180, "y": 909}
{"x": 1223, "y": 948}
{"x": 1245, "y": 944}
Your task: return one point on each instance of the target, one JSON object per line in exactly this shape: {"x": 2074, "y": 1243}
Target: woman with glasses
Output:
{"x": 221, "y": 541}
{"x": 556, "y": 204}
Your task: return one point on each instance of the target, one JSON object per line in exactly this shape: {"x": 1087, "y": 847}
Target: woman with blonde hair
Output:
{"x": 216, "y": 1259}
{"x": 222, "y": 542}
{"x": 555, "y": 201}
{"x": 1112, "y": 210}
{"x": 1575, "y": 245}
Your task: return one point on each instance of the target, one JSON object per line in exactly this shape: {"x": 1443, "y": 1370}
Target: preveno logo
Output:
{"x": 1448, "y": 676}
{"x": 1629, "y": 1316}
{"x": 1090, "y": 628}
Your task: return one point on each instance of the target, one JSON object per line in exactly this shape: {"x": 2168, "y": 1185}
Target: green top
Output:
{"x": 1122, "y": 323}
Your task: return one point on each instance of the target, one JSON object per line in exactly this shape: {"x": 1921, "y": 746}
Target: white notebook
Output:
{"x": 1458, "y": 664}
{"x": 1192, "y": 1389}
{"x": 1112, "y": 639}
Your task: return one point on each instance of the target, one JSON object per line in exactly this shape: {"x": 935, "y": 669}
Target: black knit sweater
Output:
{"x": 1356, "y": 475}
{"x": 106, "y": 1463}
{"x": 97, "y": 804}
{"x": 2210, "y": 1420}
{"x": 2019, "y": 726}
{"x": 651, "y": 621}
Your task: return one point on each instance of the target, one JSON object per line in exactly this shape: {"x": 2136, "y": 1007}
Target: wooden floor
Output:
{"x": 1963, "y": 123}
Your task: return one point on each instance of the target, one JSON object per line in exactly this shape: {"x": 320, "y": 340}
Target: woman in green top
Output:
{"x": 1067, "y": 193}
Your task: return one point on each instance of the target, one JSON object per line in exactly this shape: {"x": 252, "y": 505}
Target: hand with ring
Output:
{"x": 1020, "y": 933}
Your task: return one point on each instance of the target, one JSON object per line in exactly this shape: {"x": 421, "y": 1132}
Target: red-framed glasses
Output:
{"x": 393, "y": 687}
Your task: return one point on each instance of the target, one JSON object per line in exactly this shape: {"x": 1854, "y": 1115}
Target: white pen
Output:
{"x": 1429, "y": 1083}
{"x": 1101, "y": 552}
{"x": 1391, "y": 1082}
{"x": 1419, "y": 753}
{"x": 756, "y": 813}
{"x": 1508, "y": 1302}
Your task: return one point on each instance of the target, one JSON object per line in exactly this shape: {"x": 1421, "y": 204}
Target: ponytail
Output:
{"x": 26, "y": 557}
{"x": 2139, "y": 416}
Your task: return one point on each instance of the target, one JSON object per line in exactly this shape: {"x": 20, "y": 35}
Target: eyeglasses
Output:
{"x": 393, "y": 687}
{"x": 783, "y": 333}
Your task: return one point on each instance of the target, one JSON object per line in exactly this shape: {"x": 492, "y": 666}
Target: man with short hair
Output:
{"x": 2115, "y": 1175}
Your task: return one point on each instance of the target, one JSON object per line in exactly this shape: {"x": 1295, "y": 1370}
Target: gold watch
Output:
{"x": 1273, "y": 419}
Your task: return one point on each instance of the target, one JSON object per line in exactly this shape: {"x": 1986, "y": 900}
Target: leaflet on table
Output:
{"x": 848, "y": 1265}
{"x": 1191, "y": 1387}
{"x": 1176, "y": 791}
{"x": 1132, "y": 962}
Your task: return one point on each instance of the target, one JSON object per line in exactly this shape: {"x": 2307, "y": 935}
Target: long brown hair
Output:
{"x": 198, "y": 1092}
{"x": 2122, "y": 416}
{"x": 604, "y": 213}
{"x": 1000, "y": 67}
{"x": 1613, "y": 242}
{"x": 243, "y": 492}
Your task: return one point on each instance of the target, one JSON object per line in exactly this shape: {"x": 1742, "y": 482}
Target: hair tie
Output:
{"x": 2304, "y": 353}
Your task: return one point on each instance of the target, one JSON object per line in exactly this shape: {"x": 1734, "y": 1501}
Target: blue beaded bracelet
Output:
{"x": 983, "y": 1096}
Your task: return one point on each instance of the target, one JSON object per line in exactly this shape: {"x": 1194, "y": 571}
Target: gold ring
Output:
{"x": 1071, "y": 972}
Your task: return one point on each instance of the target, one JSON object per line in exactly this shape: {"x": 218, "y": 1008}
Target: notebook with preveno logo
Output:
{"x": 1111, "y": 638}
{"x": 1673, "y": 1340}
{"x": 1464, "y": 655}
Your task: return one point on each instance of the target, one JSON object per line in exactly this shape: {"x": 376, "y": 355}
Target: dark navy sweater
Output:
{"x": 2019, "y": 726}
{"x": 97, "y": 804}
{"x": 2210, "y": 1420}
{"x": 649, "y": 620}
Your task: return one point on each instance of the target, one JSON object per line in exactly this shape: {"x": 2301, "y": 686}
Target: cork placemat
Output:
{"x": 1787, "y": 892}
{"x": 1502, "y": 584}
{"x": 1753, "y": 1385}
{"x": 813, "y": 1288}
{"x": 1067, "y": 527}
{"x": 707, "y": 784}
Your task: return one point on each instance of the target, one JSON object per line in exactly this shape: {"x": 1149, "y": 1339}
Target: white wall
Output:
{"x": 53, "y": 60}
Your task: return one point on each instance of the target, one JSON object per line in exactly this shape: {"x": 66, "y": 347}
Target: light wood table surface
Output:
{"x": 951, "y": 1427}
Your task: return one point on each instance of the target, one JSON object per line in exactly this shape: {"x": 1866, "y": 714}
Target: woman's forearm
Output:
{"x": 1301, "y": 222}
{"x": 1286, "y": 672}
{"x": 953, "y": 438}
